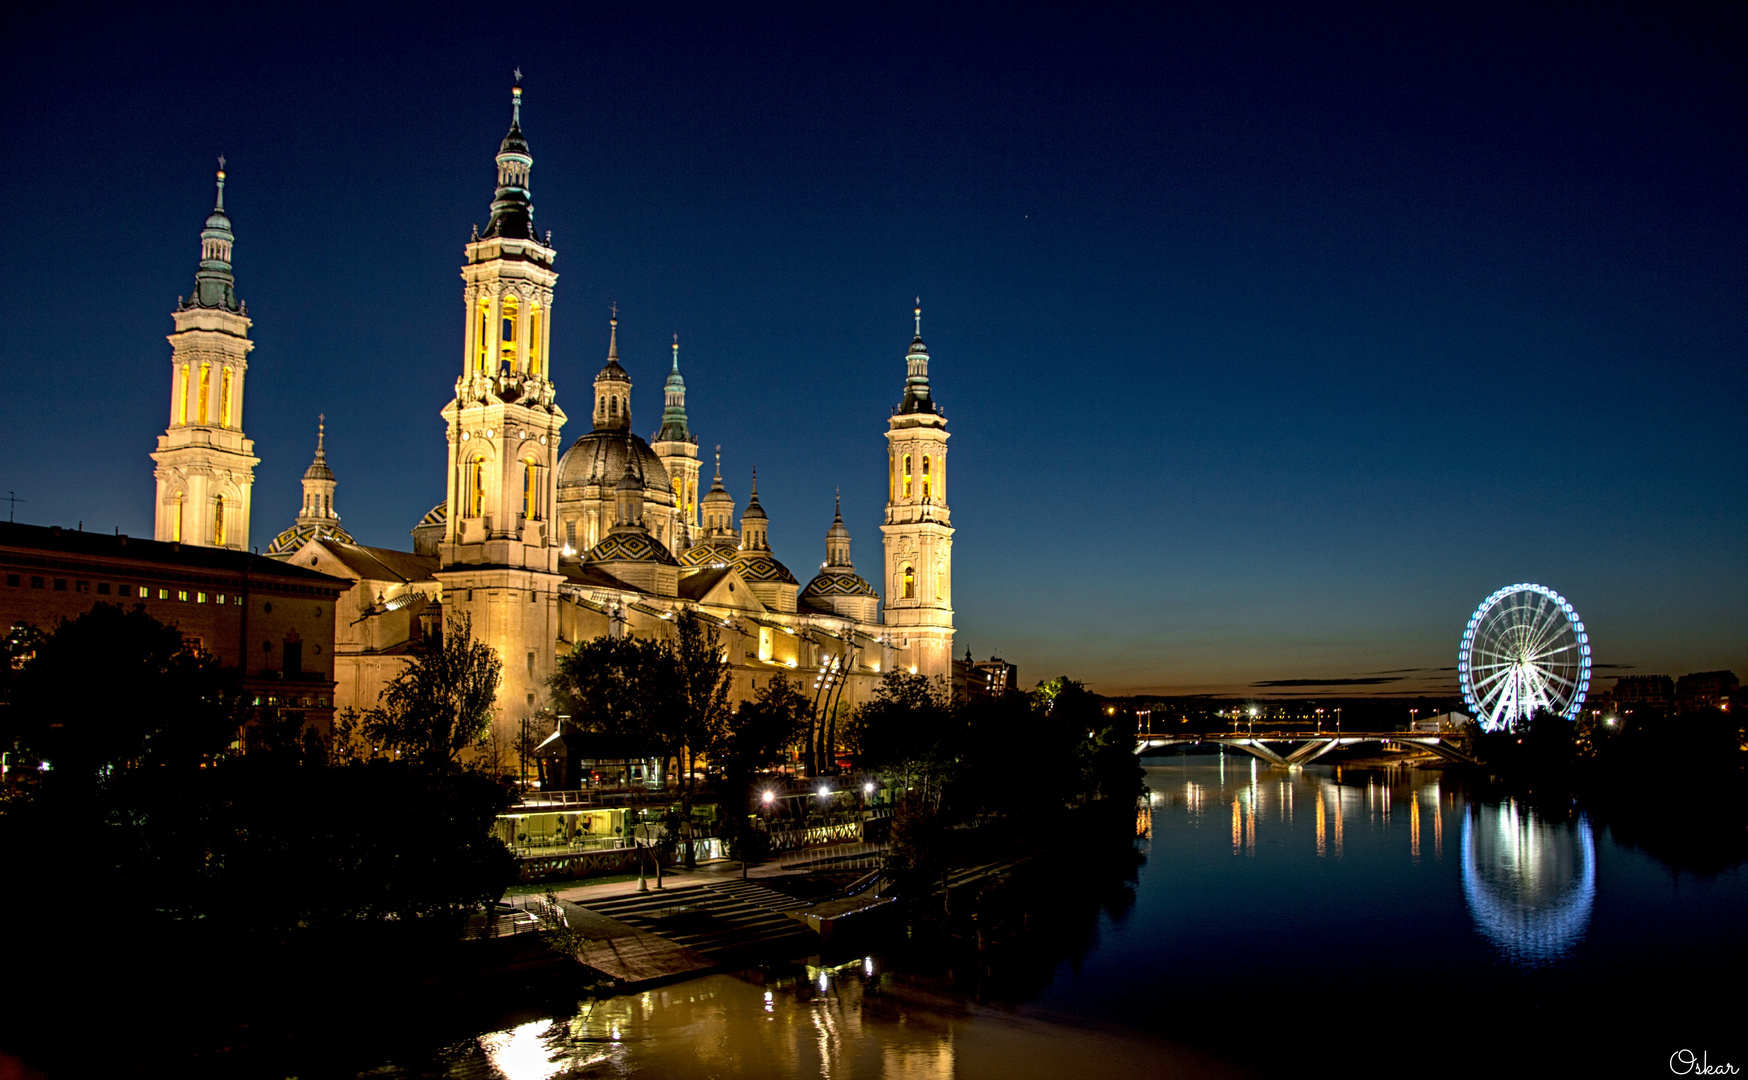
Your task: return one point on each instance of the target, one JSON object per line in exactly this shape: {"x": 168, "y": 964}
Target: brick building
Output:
{"x": 272, "y": 619}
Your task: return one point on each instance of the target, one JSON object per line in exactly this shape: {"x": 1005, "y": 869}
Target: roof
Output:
{"x": 839, "y": 584}
{"x": 382, "y": 564}
{"x": 696, "y": 586}
{"x": 599, "y": 458}
{"x": 287, "y": 542}
{"x": 757, "y": 566}
{"x": 630, "y": 547}
{"x": 117, "y": 548}
{"x": 593, "y": 577}
{"x": 710, "y": 552}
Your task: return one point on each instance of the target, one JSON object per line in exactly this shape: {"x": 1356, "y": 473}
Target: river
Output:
{"x": 1279, "y": 923}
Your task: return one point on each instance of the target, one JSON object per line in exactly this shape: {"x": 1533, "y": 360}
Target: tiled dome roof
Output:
{"x": 293, "y": 538}
{"x": 630, "y": 547}
{"x": 760, "y": 566}
{"x": 827, "y": 585}
{"x": 710, "y": 551}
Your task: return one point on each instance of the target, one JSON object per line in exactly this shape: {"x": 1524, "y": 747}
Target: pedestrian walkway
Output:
{"x": 725, "y": 921}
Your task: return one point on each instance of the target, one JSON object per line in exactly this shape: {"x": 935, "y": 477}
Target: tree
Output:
{"x": 114, "y": 692}
{"x": 909, "y": 734}
{"x": 702, "y": 676}
{"x": 442, "y": 702}
{"x": 618, "y": 686}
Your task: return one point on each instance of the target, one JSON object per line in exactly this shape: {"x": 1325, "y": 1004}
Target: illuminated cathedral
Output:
{"x": 542, "y": 544}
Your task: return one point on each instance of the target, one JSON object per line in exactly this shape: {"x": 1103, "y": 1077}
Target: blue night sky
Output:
{"x": 1272, "y": 338}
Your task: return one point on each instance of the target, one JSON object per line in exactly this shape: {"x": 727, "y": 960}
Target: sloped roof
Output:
{"x": 382, "y": 564}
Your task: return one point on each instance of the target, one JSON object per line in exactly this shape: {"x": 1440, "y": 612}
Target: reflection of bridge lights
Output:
{"x": 1530, "y": 884}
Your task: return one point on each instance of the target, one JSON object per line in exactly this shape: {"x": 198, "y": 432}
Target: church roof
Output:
{"x": 438, "y": 515}
{"x": 710, "y": 552}
{"x": 630, "y": 547}
{"x": 697, "y": 586}
{"x": 828, "y": 585}
{"x": 381, "y": 564}
{"x": 762, "y": 566}
{"x": 600, "y": 457}
{"x": 287, "y": 542}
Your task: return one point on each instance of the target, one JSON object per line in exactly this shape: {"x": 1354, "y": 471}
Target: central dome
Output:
{"x": 599, "y": 458}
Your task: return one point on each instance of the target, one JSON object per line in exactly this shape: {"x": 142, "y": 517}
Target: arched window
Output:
{"x": 205, "y": 391}
{"x": 613, "y": 405}
{"x": 925, "y": 476}
{"x": 907, "y": 476}
{"x": 530, "y": 489}
{"x": 218, "y": 522}
{"x": 176, "y": 521}
{"x": 476, "y": 487}
{"x": 182, "y": 396}
{"x": 482, "y": 332}
{"x": 534, "y": 315}
{"x": 225, "y": 399}
{"x": 507, "y": 338}
{"x": 940, "y": 582}
{"x": 909, "y": 582}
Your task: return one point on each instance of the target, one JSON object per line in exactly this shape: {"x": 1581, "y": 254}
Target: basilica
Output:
{"x": 543, "y": 544}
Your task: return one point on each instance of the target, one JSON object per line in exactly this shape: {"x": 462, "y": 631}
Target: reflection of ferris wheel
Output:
{"x": 1525, "y": 651}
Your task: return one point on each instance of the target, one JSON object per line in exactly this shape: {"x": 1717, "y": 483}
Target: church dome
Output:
{"x": 287, "y": 542}
{"x": 630, "y": 547}
{"x": 758, "y": 566}
{"x": 710, "y": 552}
{"x": 829, "y": 585}
{"x": 600, "y": 456}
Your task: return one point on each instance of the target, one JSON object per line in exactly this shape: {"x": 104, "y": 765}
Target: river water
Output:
{"x": 1383, "y": 917}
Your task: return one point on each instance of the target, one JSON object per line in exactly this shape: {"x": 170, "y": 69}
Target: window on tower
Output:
{"x": 225, "y": 399}
{"x": 176, "y": 520}
{"x": 534, "y": 314}
{"x": 182, "y": 395}
{"x": 483, "y": 335}
{"x": 476, "y": 487}
{"x": 507, "y": 354}
{"x": 205, "y": 390}
{"x": 218, "y": 522}
{"x": 925, "y": 476}
{"x": 907, "y": 476}
{"x": 530, "y": 489}
{"x": 909, "y": 585}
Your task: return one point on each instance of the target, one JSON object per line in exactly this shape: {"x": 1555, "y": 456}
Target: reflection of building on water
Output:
{"x": 1530, "y": 884}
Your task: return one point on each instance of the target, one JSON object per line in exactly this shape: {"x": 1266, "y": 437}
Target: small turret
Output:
{"x": 613, "y": 385}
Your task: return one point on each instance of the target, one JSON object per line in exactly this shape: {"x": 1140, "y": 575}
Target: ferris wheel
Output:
{"x": 1525, "y": 651}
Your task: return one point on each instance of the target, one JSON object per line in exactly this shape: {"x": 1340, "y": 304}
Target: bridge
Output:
{"x": 1289, "y": 749}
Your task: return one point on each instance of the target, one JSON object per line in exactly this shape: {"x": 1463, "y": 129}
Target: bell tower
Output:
{"x": 917, "y": 533}
{"x": 206, "y": 467}
{"x": 498, "y": 560}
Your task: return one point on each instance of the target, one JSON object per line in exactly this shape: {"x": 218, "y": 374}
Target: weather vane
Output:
{"x": 518, "y": 76}
{"x": 221, "y": 162}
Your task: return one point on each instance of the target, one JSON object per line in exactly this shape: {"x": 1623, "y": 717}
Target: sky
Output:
{"x": 1272, "y": 338}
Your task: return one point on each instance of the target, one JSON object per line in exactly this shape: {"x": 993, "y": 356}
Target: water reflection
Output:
{"x": 1530, "y": 883}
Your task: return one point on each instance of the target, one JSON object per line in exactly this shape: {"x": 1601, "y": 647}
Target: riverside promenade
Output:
{"x": 698, "y": 921}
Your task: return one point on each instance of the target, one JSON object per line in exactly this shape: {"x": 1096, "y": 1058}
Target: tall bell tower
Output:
{"x": 917, "y": 532}
{"x": 206, "y": 467}
{"x": 498, "y": 561}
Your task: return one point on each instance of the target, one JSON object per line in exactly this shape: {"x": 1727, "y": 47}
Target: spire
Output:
{"x": 717, "y": 505}
{"x": 916, "y": 383}
{"x": 837, "y": 541}
{"x": 214, "y": 284}
{"x": 318, "y": 469}
{"x": 754, "y": 522}
{"x": 674, "y": 428}
{"x": 318, "y": 485}
{"x": 612, "y": 385}
{"x": 512, "y": 208}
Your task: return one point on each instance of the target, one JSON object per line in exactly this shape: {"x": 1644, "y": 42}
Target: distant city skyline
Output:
{"x": 1271, "y": 341}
